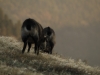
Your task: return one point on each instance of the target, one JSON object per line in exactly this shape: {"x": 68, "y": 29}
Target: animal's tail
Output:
{"x": 28, "y": 24}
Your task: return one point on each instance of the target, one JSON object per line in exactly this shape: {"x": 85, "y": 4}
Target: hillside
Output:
{"x": 12, "y": 62}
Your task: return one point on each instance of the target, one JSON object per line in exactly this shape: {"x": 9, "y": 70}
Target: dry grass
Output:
{"x": 13, "y": 62}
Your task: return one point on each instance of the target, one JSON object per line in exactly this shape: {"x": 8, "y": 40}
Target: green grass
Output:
{"x": 13, "y": 62}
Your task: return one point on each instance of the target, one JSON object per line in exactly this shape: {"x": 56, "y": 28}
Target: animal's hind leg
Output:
{"x": 29, "y": 46}
{"x": 36, "y": 49}
{"x": 24, "y": 47}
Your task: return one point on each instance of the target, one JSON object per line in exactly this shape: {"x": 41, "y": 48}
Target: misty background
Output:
{"x": 75, "y": 22}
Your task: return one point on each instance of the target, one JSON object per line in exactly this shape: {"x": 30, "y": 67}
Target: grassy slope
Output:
{"x": 12, "y": 62}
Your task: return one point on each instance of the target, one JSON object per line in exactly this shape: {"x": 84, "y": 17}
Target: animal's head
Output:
{"x": 46, "y": 33}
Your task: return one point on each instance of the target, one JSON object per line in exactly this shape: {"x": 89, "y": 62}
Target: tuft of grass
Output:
{"x": 13, "y": 62}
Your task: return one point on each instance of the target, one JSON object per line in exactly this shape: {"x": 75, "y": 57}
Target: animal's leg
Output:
{"x": 24, "y": 47}
{"x": 29, "y": 46}
{"x": 36, "y": 49}
{"x": 36, "y": 46}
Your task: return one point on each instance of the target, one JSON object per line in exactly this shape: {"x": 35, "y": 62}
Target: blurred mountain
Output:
{"x": 57, "y": 13}
{"x": 76, "y": 23}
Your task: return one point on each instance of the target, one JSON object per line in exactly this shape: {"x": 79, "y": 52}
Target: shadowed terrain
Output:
{"x": 13, "y": 62}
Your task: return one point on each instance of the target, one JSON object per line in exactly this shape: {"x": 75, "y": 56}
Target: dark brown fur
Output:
{"x": 31, "y": 32}
{"x": 48, "y": 40}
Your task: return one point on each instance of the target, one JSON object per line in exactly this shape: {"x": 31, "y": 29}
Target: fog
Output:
{"x": 75, "y": 22}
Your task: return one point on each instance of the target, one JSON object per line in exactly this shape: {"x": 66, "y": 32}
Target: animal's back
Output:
{"x": 31, "y": 28}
